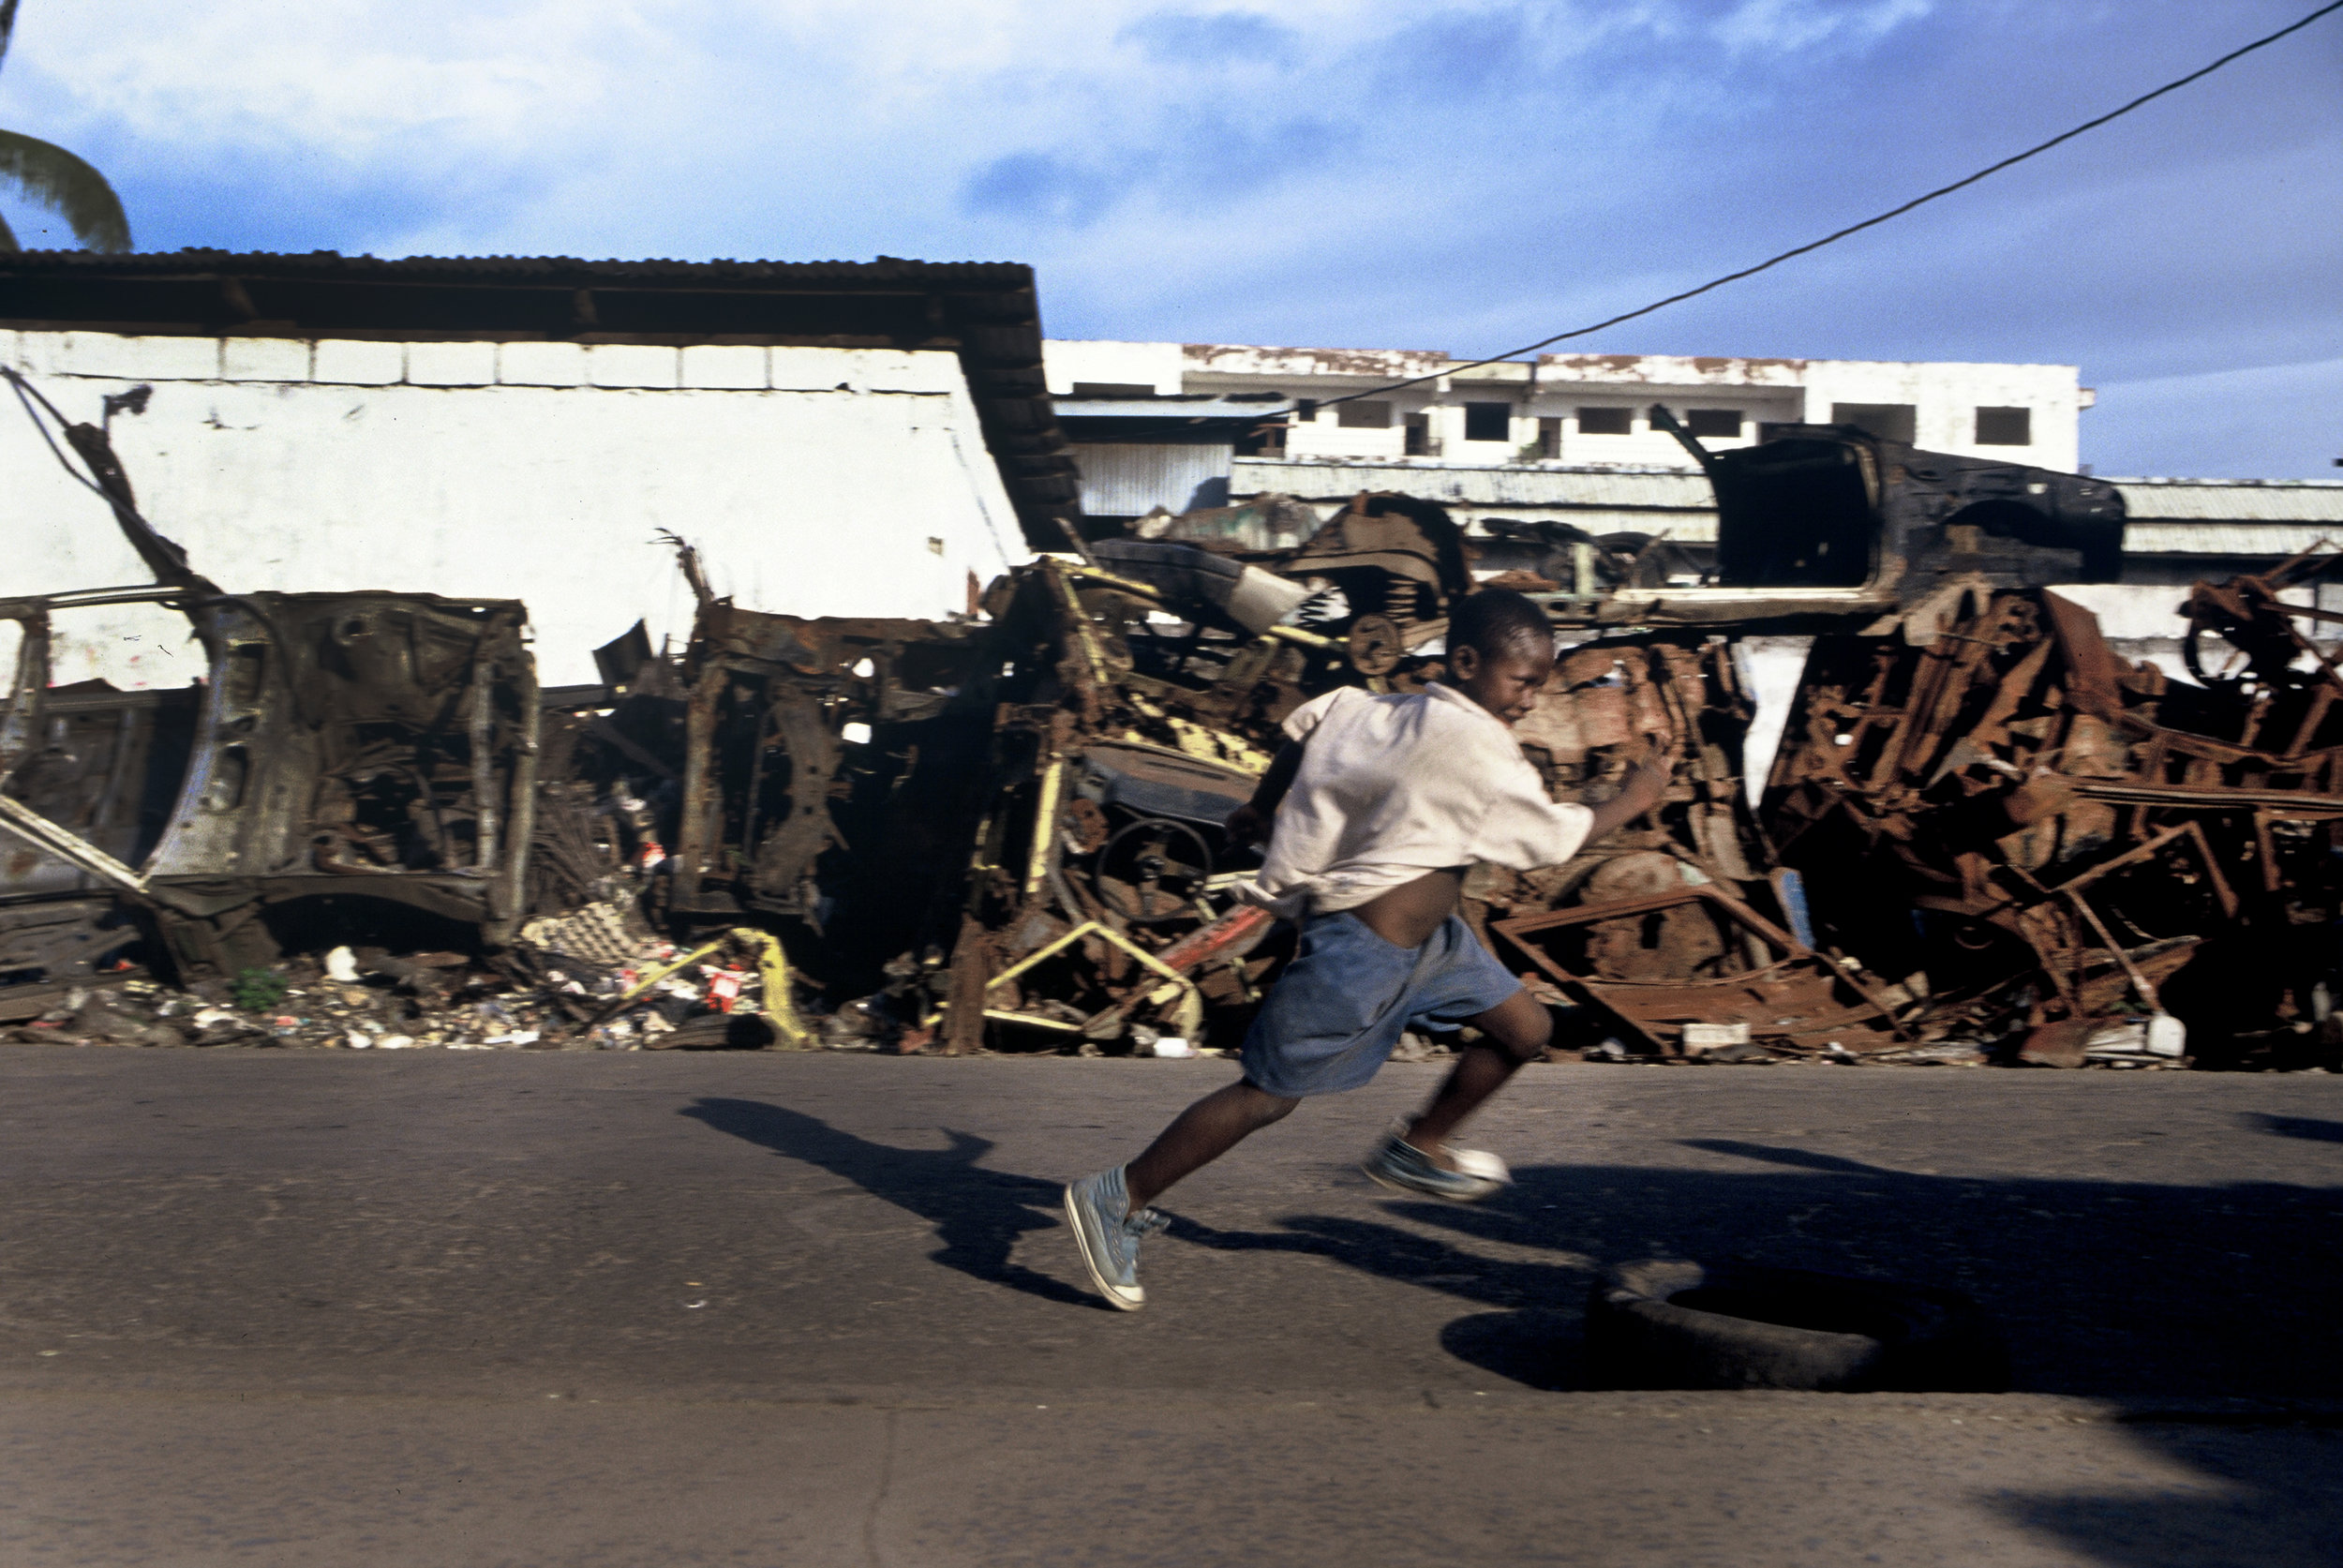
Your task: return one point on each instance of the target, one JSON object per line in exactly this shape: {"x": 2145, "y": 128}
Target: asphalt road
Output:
{"x": 273, "y": 1307}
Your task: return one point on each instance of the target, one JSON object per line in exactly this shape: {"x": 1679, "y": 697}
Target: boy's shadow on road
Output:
{"x": 1522, "y": 1336}
{"x": 2108, "y": 1288}
{"x": 977, "y": 1214}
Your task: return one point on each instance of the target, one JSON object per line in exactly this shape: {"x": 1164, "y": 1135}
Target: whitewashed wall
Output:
{"x": 1067, "y": 361}
{"x": 1945, "y": 397}
{"x": 815, "y": 481}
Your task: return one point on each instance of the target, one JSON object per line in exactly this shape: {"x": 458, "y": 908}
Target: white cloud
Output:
{"x": 1792, "y": 26}
{"x": 331, "y": 81}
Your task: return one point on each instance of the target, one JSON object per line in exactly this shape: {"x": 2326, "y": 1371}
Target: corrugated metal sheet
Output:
{"x": 1547, "y": 488}
{"x": 1689, "y": 527}
{"x": 2227, "y": 539}
{"x": 1128, "y": 479}
{"x": 2243, "y": 501}
{"x": 1170, "y": 410}
{"x": 885, "y": 271}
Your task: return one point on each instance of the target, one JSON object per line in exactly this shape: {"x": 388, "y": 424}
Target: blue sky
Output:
{"x": 1450, "y": 174}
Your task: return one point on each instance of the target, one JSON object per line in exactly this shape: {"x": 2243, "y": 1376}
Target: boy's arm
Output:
{"x": 1250, "y": 822}
{"x": 1645, "y": 784}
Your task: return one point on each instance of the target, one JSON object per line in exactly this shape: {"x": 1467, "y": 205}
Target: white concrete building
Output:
{"x": 837, "y": 439}
{"x": 1582, "y": 410}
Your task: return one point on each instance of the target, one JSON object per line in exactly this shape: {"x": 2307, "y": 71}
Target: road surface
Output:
{"x": 455, "y": 1308}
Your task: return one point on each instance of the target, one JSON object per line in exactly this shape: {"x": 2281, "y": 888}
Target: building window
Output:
{"x": 1717, "y": 423}
{"x": 1372, "y": 414}
{"x": 1488, "y": 421}
{"x": 1889, "y": 422}
{"x": 2005, "y": 426}
{"x": 1420, "y": 443}
{"x": 1607, "y": 422}
{"x": 1113, "y": 389}
{"x": 1549, "y": 438}
{"x": 1305, "y": 410}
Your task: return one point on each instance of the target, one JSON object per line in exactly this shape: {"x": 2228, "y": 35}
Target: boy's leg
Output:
{"x": 1109, "y": 1211}
{"x": 1515, "y": 1032}
{"x": 1200, "y": 1135}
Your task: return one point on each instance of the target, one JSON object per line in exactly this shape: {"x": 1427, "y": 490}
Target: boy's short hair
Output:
{"x": 1498, "y": 621}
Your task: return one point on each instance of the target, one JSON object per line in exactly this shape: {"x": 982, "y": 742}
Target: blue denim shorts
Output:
{"x": 1335, "y": 1013}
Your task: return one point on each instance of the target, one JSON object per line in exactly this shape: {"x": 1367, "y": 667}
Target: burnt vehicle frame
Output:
{"x": 343, "y": 753}
{"x": 1820, "y": 523}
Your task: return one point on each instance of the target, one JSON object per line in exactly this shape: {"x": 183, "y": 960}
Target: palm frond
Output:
{"x": 7, "y": 240}
{"x": 48, "y": 176}
{"x": 8, "y": 25}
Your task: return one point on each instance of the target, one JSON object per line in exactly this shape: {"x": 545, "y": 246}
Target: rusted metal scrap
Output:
{"x": 351, "y": 761}
{"x": 1774, "y": 992}
{"x": 1134, "y": 718}
{"x": 1676, "y": 919}
{"x": 770, "y": 702}
{"x": 347, "y": 748}
{"x": 1144, "y": 688}
{"x": 2037, "y": 832}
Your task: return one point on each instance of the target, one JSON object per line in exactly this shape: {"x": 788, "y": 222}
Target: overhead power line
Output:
{"x": 1833, "y": 238}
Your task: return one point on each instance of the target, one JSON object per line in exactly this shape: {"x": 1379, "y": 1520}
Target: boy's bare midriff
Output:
{"x": 1407, "y": 916}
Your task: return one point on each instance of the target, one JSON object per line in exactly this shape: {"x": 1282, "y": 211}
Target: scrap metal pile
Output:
{"x": 1985, "y": 837}
{"x": 2038, "y": 834}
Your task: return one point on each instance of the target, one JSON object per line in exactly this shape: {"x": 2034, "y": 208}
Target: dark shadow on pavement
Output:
{"x": 1805, "y": 1159}
{"x": 2264, "y": 1494}
{"x": 977, "y": 1214}
{"x": 2311, "y": 1128}
{"x": 2113, "y": 1289}
{"x": 1536, "y": 1346}
{"x": 2167, "y": 1302}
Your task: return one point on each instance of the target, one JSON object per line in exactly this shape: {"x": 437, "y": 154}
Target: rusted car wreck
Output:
{"x": 350, "y": 763}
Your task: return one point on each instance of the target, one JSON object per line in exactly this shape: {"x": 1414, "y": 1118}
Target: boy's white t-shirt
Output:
{"x": 1391, "y": 787}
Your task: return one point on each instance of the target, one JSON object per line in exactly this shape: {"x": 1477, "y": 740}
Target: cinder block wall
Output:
{"x": 816, "y": 481}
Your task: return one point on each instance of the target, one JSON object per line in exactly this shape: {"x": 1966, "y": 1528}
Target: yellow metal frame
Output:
{"x": 1044, "y": 827}
{"x": 1085, "y": 633}
{"x": 1033, "y": 1021}
{"x": 1189, "y": 1015}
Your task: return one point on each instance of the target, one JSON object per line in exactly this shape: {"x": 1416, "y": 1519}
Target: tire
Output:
{"x": 1668, "y": 1324}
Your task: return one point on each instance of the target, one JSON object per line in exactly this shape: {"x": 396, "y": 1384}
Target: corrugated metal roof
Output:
{"x": 1658, "y": 491}
{"x": 2215, "y": 501}
{"x": 1689, "y": 527}
{"x": 1170, "y": 410}
{"x": 266, "y": 263}
{"x": 1129, "y": 479}
{"x": 2227, "y": 539}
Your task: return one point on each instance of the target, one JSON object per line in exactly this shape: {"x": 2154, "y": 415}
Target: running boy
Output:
{"x": 1380, "y": 805}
